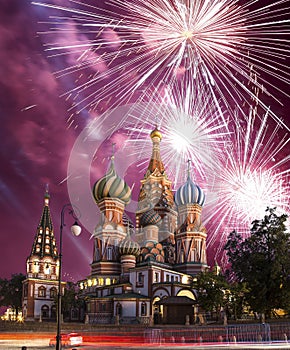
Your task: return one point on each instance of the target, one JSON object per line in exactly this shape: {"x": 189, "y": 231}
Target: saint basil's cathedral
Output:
{"x": 143, "y": 274}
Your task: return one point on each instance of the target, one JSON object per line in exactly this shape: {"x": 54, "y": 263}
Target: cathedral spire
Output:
{"x": 155, "y": 164}
{"x": 44, "y": 242}
{"x": 188, "y": 168}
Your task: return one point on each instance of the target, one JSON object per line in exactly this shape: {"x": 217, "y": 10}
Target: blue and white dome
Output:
{"x": 189, "y": 193}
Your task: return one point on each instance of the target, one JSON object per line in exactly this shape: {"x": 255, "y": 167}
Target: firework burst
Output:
{"x": 121, "y": 50}
{"x": 191, "y": 127}
{"x": 248, "y": 180}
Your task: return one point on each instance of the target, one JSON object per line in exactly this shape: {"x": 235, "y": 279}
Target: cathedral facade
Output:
{"x": 145, "y": 274}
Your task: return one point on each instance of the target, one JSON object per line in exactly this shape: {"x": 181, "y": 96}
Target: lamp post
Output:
{"x": 75, "y": 230}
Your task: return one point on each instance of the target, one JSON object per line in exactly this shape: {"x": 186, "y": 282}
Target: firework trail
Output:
{"x": 248, "y": 180}
{"x": 122, "y": 48}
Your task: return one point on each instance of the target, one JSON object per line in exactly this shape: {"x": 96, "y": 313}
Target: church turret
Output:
{"x": 111, "y": 194}
{"x": 191, "y": 234}
{"x": 156, "y": 216}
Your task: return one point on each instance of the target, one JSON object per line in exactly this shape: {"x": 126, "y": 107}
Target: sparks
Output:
{"x": 247, "y": 180}
{"x": 133, "y": 45}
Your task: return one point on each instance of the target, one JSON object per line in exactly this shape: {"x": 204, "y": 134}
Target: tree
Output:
{"x": 11, "y": 292}
{"x": 262, "y": 261}
{"x": 212, "y": 291}
{"x": 70, "y": 300}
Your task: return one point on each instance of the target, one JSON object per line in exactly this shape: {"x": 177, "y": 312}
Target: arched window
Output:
{"x": 52, "y": 292}
{"x": 47, "y": 269}
{"x": 42, "y": 292}
{"x": 35, "y": 267}
{"x": 53, "y": 312}
{"x": 45, "y": 311}
{"x": 109, "y": 253}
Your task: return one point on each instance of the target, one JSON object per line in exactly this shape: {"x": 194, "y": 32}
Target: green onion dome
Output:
{"x": 150, "y": 217}
{"x": 112, "y": 186}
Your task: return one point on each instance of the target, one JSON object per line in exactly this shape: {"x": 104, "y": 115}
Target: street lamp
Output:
{"x": 75, "y": 230}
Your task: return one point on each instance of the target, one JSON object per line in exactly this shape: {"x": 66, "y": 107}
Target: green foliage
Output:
{"x": 262, "y": 262}
{"x": 212, "y": 291}
{"x": 11, "y": 291}
{"x": 70, "y": 300}
{"x": 237, "y": 303}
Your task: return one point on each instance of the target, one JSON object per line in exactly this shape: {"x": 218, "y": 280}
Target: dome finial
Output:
{"x": 46, "y": 195}
{"x": 188, "y": 168}
{"x": 113, "y": 150}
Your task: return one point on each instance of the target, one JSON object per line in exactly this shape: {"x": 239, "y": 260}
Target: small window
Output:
{"x": 156, "y": 277}
{"x": 118, "y": 309}
{"x": 42, "y": 292}
{"x": 140, "y": 277}
{"x": 143, "y": 309}
{"x": 35, "y": 267}
{"x": 53, "y": 292}
{"x": 109, "y": 253}
{"x": 25, "y": 290}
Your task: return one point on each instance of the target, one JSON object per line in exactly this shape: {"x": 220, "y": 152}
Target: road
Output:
{"x": 40, "y": 341}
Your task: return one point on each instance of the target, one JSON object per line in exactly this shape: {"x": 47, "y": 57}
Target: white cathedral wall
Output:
{"x": 38, "y": 305}
{"x": 128, "y": 308}
{"x": 137, "y": 288}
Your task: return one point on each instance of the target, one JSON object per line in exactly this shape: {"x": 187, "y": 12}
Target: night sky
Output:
{"x": 36, "y": 142}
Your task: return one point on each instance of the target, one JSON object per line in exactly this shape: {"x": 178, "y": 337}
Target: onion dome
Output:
{"x": 129, "y": 247}
{"x": 112, "y": 186}
{"x": 189, "y": 193}
{"x": 156, "y": 133}
{"x": 152, "y": 252}
{"x": 150, "y": 217}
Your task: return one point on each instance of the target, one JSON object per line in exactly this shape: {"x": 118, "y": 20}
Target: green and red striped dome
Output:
{"x": 112, "y": 186}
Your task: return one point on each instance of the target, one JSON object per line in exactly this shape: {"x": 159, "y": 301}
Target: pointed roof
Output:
{"x": 44, "y": 242}
{"x": 156, "y": 166}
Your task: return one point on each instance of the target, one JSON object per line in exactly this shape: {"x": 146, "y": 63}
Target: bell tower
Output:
{"x": 40, "y": 285}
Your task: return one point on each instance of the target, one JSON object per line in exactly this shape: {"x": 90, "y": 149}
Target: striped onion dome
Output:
{"x": 112, "y": 186}
{"x": 189, "y": 193}
{"x": 150, "y": 217}
{"x": 129, "y": 247}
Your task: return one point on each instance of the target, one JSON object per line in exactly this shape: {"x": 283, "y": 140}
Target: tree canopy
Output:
{"x": 212, "y": 291}
{"x": 11, "y": 291}
{"x": 262, "y": 261}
